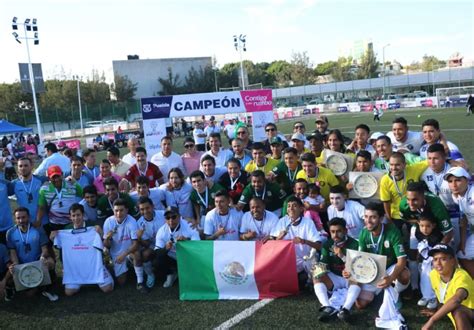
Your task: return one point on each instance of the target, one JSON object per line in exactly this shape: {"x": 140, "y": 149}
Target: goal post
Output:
{"x": 453, "y": 96}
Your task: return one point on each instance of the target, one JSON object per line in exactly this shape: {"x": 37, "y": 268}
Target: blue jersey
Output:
{"x": 6, "y": 220}
{"x": 4, "y": 259}
{"x": 27, "y": 195}
{"x": 27, "y": 245}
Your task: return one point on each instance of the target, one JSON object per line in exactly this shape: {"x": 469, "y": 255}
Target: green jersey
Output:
{"x": 388, "y": 243}
{"x": 384, "y": 166}
{"x": 205, "y": 200}
{"x": 433, "y": 205}
{"x": 286, "y": 177}
{"x": 271, "y": 194}
{"x": 105, "y": 207}
{"x": 335, "y": 264}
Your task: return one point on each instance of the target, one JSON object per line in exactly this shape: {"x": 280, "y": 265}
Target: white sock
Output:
{"x": 139, "y": 273}
{"x": 148, "y": 267}
{"x": 352, "y": 294}
{"x": 322, "y": 294}
{"x": 414, "y": 274}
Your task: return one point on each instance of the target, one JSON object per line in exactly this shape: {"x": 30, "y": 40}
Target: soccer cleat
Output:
{"x": 150, "y": 281}
{"x": 9, "y": 293}
{"x": 170, "y": 280}
{"x": 327, "y": 313}
{"x": 344, "y": 315}
{"x": 50, "y": 296}
{"x": 422, "y": 302}
{"x": 142, "y": 288}
{"x": 432, "y": 303}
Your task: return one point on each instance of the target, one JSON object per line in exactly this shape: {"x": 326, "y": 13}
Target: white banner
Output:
{"x": 154, "y": 130}
{"x": 259, "y": 120}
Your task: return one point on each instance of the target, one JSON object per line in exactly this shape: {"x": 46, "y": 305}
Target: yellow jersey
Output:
{"x": 444, "y": 292}
{"x": 267, "y": 168}
{"x": 393, "y": 191}
{"x": 324, "y": 177}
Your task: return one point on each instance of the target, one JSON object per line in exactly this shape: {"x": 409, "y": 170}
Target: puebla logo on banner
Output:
{"x": 156, "y": 107}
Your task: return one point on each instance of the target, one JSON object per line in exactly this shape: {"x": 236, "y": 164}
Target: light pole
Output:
{"x": 78, "y": 79}
{"x": 239, "y": 44}
{"x": 30, "y": 25}
{"x": 383, "y": 69}
{"x": 215, "y": 68}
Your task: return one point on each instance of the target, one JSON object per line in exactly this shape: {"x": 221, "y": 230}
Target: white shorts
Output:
{"x": 469, "y": 249}
{"x": 373, "y": 288}
{"x": 339, "y": 282}
{"x": 122, "y": 268}
{"x": 413, "y": 239}
{"x": 108, "y": 280}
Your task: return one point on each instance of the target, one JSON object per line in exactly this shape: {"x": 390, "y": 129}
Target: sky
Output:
{"x": 78, "y": 36}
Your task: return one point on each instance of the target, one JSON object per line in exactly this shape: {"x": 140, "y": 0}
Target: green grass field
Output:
{"x": 161, "y": 308}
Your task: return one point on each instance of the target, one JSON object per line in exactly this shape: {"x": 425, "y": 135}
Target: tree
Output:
{"x": 430, "y": 63}
{"x": 281, "y": 72}
{"x": 171, "y": 85}
{"x": 229, "y": 76}
{"x": 13, "y": 102}
{"x": 199, "y": 81}
{"x": 95, "y": 90}
{"x": 301, "y": 69}
{"x": 325, "y": 68}
{"x": 123, "y": 88}
{"x": 368, "y": 65}
{"x": 342, "y": 69}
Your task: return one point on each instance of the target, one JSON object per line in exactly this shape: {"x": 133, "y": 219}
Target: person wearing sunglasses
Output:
{"x": 299, "y": 127}
{"x": 81, "y": 249}
{"x": 174, "y": 230}
{"x": 191, "y": 156}
{"x": 243, "y": 133}
{"x": 271, "y": 132}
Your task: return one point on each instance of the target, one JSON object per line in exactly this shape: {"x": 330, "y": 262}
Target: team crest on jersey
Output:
{"x": 234, "y": 273}
{"x": 386, "y": 244}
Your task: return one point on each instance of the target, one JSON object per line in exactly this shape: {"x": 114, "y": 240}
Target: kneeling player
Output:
{"x": 333, "y": 255}
{"x": 81, "y": 249}
{"x": 120, "y": 237}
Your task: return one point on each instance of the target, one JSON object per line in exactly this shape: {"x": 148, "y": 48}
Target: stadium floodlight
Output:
{"x": 28, "y": 25}
{"x": 383, "y": 66}
{"x": 239, "y": 44}
{"x": 78, "y": 79}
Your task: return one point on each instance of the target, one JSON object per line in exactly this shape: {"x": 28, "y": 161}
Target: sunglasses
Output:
{"x": 240, "y": 133}
{"x": 188, "y": 146}
{"x": 299, "y": 126}
{"x": 269, "y": 129}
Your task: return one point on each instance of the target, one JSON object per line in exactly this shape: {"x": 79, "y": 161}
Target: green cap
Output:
{"x": 275, "y": 140}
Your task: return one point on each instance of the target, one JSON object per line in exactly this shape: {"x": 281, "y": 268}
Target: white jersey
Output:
{"x": 157, "y": 196}
{"x": 124, "y": 234}
{"x": 151, "y": 227}
{"x": 230, "y": 222}
{"x": 412, "y": 143}
{"x": 466, "y": 204}
{"x": 221, "y": 158}
{"x": 211, "y": 129}
{"x": 454, "y": 152}
{"x": 81, "y": 256}
{"x": 439, "y": 187}
{"x": 262, "y": 228}
{"x": 369, "y": 148}
{"x": 197, "y": 139}
{"x": 353, "y": 213}
{"x": 130, "y": 159}
{"x": 306, "y": 229}
{"x": 165, "y": 235}
{"x": 180, "y": 199}
{"x": 166, "y": 163}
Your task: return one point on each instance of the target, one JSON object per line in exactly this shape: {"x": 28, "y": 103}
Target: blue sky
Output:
{"x": 77, "y": 36}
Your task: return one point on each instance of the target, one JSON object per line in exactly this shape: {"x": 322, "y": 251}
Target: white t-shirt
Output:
{"x": 231, "y": 222}
{"x": 129, "y": 159}
{"x": 156, "y": 195}
{"x": 222, "y": 157}
{"x": 151, "y": 227}
{"x": 123, "y": 235}
{"x": 180, "y": 199}
{"x": 466, "y": 204}
{"x": 167, "y": 163}
{"x": 212, "y": 129}
{"x": 197, "y": 139}
{"x": 262, "y": 228}
{"x": 306, "y": 229}
{"x": 82, "y": 256}
{"x": 230, "y": 131}
{"x": 165, "y": 234}
{"x": 412, "y": 143}
{"x": 437, "y": 186}
{"x": 454, "y": 152}
{"x": 353, "y": 213}
{"x": 369, "y": 148}
{"x": 314, "y": 201}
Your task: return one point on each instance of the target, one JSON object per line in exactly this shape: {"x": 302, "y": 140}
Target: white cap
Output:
{"x": 458, "y": 172}
{"x": 298, "y": 136}
{"x": 376, "y": 135}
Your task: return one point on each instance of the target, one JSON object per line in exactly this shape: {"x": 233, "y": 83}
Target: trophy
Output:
{"x": 30, "y": 275}
{"x": 365, "y": 268}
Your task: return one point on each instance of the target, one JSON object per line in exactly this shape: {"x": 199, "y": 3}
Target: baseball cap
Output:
{"x": 324, "y": 119}
{"x": 316, "y": 136}
{"x": 298, "y": 136}
{"x": 458, "y": 172}
{"x": 171, "y": 210}
{"x": 442, "y": 248}
{"x": 54, "y": 170}
{"x": 376, "y": 135}
{"x": 275, "y": 140}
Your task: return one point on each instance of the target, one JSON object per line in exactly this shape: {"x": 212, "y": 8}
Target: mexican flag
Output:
{"x": 211, "y": 270}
